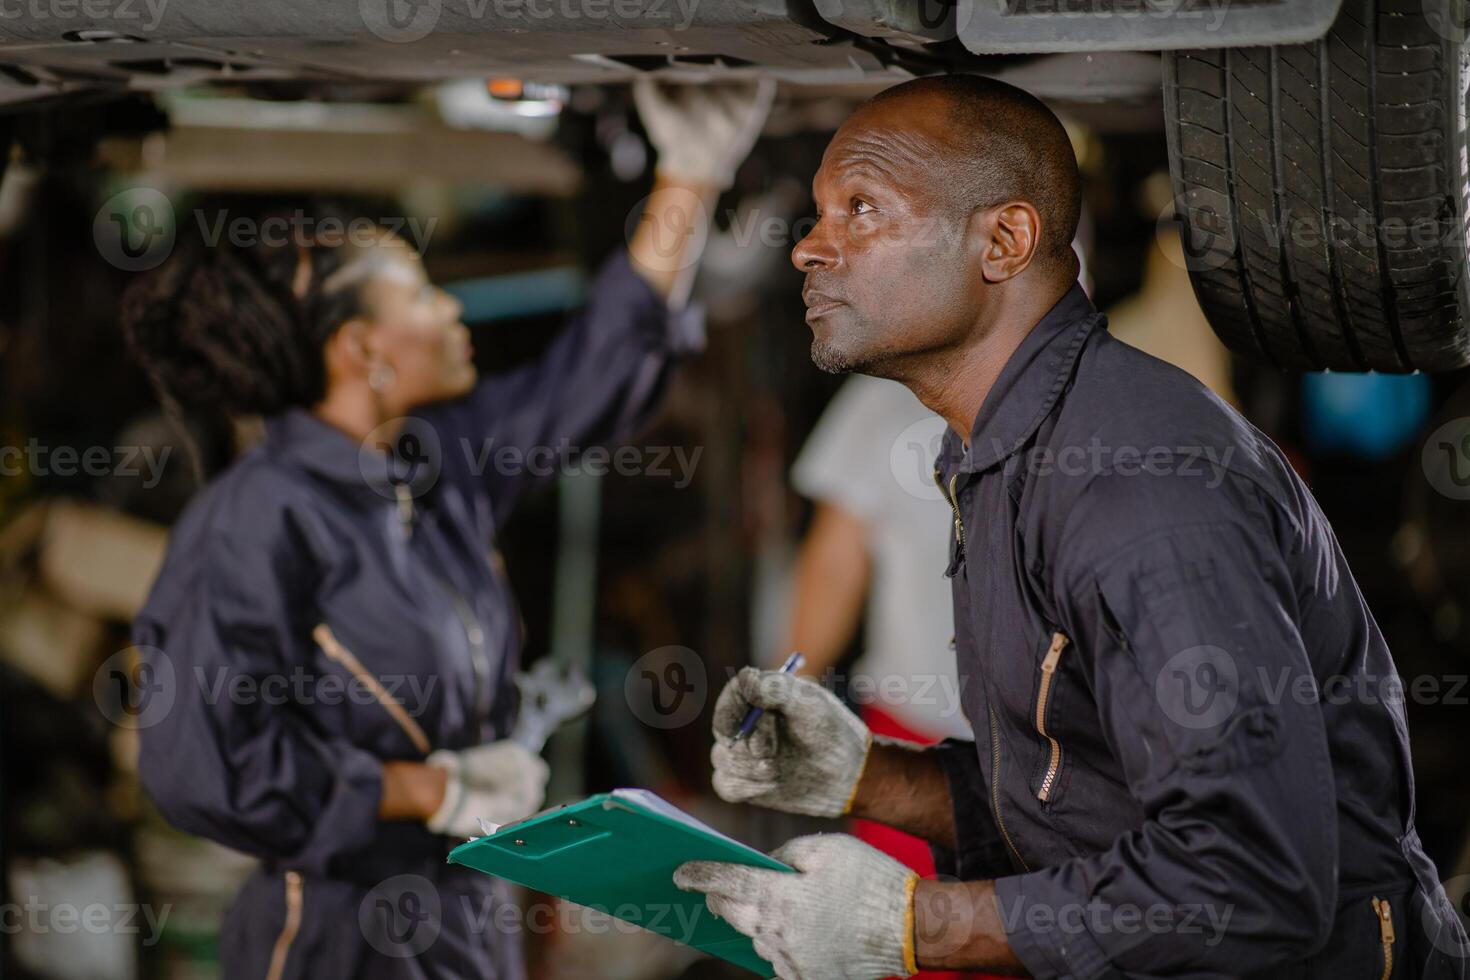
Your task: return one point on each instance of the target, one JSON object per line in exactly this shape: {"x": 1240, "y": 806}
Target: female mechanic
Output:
{"x": 336, "y": 644}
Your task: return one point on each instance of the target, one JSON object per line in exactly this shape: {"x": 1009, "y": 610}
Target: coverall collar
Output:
{"x": 324, "y": 450}
{"x": 1027, "y": 388}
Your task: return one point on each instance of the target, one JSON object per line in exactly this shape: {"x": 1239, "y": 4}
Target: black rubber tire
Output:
{"x": 1322, "y": 190}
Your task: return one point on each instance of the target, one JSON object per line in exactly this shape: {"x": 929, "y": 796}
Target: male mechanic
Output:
{"x": 1184, "y": 765}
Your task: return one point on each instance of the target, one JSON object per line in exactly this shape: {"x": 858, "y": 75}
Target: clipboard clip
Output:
{"x": 489, "y": 828}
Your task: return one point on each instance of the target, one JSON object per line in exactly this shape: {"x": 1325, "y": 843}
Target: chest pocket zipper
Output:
{"x": 335, "y": 651}
{"x": 1043, "y": 696}
{"x": 1384, "y": 915}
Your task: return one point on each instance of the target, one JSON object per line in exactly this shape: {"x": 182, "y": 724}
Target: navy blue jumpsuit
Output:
{"x": 324, "y": 608}
{"x": 1191, "y": 760}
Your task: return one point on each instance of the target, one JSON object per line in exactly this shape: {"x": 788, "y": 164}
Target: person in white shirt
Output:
{"x": 875, "y": 553}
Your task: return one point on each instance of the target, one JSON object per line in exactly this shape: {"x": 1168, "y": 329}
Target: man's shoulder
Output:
{"x": 1137, "y": 446}
{"x": 1131, "y": 401}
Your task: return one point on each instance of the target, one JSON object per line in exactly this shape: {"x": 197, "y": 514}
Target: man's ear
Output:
{"x": 1007, "y": 235}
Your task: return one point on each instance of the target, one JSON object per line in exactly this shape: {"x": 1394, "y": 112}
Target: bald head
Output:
{"x": 990, "y": 143}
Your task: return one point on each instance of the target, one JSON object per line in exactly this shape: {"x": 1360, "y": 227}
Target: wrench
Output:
{"x": 552, "y": 693}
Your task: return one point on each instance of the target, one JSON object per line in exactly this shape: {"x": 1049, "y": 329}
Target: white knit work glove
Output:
{"x": 848, "y": 914}
{"x": 805, "y": 755}
{"x": 703, "y": 132}
{"x": 500, "y": 781}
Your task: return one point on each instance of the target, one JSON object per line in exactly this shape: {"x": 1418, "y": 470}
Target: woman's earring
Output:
{"x": 380, "y": 377}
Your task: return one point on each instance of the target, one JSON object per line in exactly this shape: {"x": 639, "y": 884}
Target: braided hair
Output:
{"x": 240, "y": 327}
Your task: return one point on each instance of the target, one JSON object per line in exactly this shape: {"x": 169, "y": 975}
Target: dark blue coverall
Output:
{"x": 323, "y": 608}
{"x": 1191, "y": 758}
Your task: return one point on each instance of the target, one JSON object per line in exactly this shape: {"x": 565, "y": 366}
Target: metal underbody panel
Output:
{"x": 53, "y": 47}
{"x": 1016, "y": 26}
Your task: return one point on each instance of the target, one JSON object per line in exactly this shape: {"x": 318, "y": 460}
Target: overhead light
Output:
{"x": 474, "y": 104}
{"x": 532, "y": 100}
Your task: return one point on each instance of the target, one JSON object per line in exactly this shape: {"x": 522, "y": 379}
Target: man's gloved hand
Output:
{"x": 500, "y": 781}
{"x": 848, "y": 914}
{"x": 703, "y": 132}
{"x": 805, "y": 755}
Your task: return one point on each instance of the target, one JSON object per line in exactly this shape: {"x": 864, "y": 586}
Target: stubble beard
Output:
{"x": 827, "y": 357}
{"x": 842, "y": 352}
{"x": 852, "y": 358}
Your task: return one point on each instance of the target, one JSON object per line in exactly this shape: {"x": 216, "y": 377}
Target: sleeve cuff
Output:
{"x": 1048, "y": 931}
{"x": 680, "y": 332}
{"x": 685, "y": 334}
{"x": 980, "y": 852}
{"x": 348, "y": 820}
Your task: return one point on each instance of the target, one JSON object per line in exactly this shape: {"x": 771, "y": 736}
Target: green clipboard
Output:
{"x": 616, "y": 852}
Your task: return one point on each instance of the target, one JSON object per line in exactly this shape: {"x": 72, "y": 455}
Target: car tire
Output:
{"x": 1322, "y": 190}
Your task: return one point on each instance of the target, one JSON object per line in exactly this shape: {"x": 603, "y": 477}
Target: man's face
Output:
{"x": 889, "y": 269}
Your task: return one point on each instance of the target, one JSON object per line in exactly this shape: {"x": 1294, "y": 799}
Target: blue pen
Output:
{"x": 793, "y": 663}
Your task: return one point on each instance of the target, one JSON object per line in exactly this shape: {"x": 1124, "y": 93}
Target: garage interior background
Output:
{"x": 515, "y": 199}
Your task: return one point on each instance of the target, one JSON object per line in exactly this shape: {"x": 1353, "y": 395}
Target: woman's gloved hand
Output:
{"x": 848, "y": 914}
{"x": 805, "y": 755}
{"x": 703, "y": 132}
{"x": 501, "y": 782}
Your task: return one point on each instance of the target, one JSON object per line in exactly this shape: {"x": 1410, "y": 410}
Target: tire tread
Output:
{"x": 1327, "y": 165}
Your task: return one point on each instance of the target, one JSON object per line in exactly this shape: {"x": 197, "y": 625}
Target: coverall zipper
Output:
{"x": 959, "y": 531}
{"x": 474, "y": 631}
{"x": 287, "y": 936}
{"x": 954, "y": 504}
{"x": 405, "y": 508}
{"x": 1000, "y": 822}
